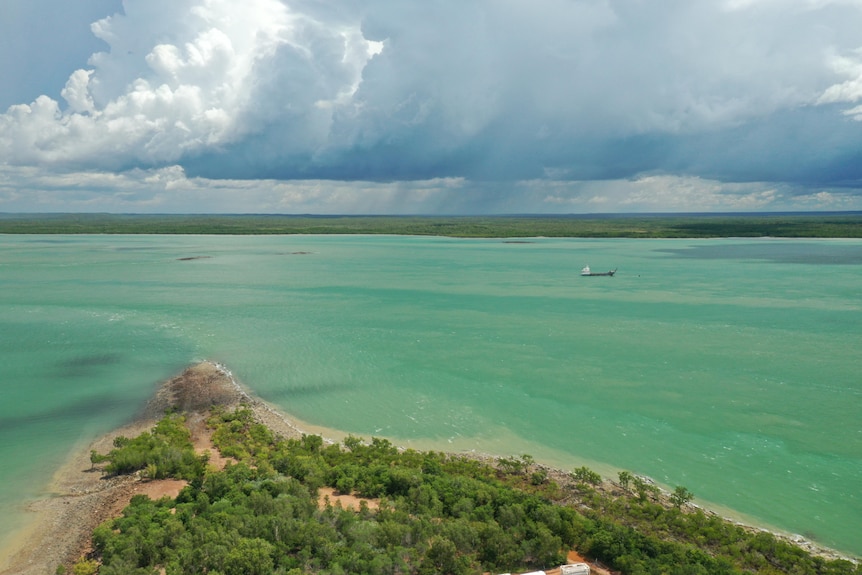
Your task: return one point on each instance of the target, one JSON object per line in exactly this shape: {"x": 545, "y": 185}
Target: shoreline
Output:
{"x": 79, "y": 498}
{"x": 840, "y": 224}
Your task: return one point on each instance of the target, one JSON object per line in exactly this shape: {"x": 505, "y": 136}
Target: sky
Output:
{"x": 430, "y": 106}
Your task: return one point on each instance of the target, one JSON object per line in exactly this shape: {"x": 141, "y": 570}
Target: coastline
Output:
{"x": 61, "y": 523}
{"x": 80, "y": 498}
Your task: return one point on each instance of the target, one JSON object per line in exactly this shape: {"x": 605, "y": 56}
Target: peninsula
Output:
{"x": 456, "y": 501}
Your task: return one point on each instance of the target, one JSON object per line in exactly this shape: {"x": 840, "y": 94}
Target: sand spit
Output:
{"x": 81, "y": 498}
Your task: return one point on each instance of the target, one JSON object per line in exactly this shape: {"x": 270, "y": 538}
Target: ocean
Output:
{"x": 728, "y": 366}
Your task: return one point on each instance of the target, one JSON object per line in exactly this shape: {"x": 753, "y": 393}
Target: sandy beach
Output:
{"x": 81, "y": 497}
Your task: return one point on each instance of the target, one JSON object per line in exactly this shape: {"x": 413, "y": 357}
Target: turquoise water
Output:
{"x": 728, "y": 366}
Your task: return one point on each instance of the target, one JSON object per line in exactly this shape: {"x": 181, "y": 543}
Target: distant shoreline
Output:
{"x": 62, "y": 524}
{"x": 715, "y": 225}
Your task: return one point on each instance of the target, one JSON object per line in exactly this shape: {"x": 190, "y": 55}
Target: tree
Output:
{"x": 85, "y": 567}
{"x": 96, "y": 458}
{"x": 644, "y": 489}
{"x": 352, "y": 442}
{"x": 442, "y": 557}
{"x": 586, "y": 475}
{"x": 250, "y": 557}
{"x": 151, "y": 471}
{"x": 539, "y": 477}
{"x": 516, "y": 465}
{"x": 625, "y": 478}
{"x": 681, "y": 496}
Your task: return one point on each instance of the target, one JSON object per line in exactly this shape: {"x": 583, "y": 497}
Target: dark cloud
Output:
{"x": 583, "y": 90}
{"x": 808, "y": 146}
{"x": 495, "y": 94}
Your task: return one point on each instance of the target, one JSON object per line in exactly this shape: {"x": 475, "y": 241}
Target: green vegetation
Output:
{"x": 587, "y": 476}
{"x": 681, "y": 496}
{"x": 437, "y": 513}
{"x": 167, "y": 451}
{"x": 844, "y": 225}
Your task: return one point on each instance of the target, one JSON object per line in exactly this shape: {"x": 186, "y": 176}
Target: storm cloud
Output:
{"x": 445, "y": 106}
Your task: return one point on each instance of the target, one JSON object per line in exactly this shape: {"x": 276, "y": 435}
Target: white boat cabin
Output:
{"x": 575, "y": 569}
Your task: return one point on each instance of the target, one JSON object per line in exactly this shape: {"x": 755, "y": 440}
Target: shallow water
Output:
{"x": 727, "y": 366}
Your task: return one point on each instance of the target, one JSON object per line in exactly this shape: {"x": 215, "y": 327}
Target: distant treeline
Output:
{"x": 434, "y": 514}
{"x": 795, "y": 225}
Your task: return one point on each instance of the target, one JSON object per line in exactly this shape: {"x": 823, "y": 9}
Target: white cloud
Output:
{"x": 169, "y": 189}
{"x": 855, "y": 113}
{"x": 656, "y": 193}
{"x": 77, "y": 92}
{"x": 461, "y": 92}
{"x": 828, "y": 200}
{"x": 849, "y": 91}
{"x": 180, "y": 78}
{"x": 667, "y": 193}
{"x": 664, "y": 193}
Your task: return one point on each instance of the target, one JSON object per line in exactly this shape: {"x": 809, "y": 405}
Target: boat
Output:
{"x": 586, "y": 272}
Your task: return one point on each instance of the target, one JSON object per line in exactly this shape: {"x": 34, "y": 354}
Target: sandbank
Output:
{"x": 80, "y": 497}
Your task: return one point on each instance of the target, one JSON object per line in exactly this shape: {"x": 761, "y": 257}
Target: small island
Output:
{"x": 212, "y": 479}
